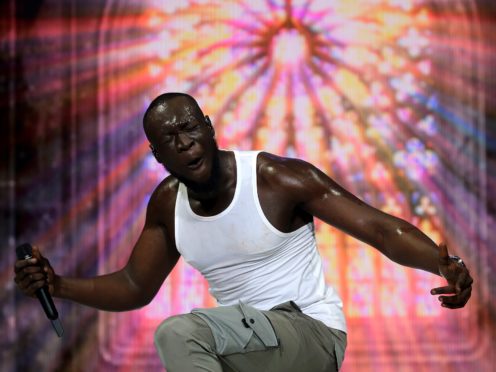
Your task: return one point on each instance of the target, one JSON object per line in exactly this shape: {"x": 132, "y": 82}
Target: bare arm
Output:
{"x": 394, "y": 237}
{"x": 133, "y": 286}
{"x": 152, "y": 259}
{"x": 310, "y": 190}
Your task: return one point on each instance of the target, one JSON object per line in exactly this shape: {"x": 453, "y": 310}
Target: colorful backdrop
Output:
{"x": 395, "y": 99}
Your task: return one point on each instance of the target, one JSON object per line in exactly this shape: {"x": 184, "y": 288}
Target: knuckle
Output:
{"x": 39, "y": 284}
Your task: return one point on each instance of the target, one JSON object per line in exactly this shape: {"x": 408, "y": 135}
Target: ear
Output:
{"x": 209, "y": 124}
{"x": 155, "y": 153}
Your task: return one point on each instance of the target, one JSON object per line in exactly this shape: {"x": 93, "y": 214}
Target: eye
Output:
{"x": 191, "y": 127}
{"x": 167, "y": 138}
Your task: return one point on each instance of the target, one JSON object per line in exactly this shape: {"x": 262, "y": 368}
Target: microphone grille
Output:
{"x": 24, "y": 251}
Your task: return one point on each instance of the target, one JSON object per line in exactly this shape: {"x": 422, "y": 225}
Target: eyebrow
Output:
{"x": 177, "y": 126}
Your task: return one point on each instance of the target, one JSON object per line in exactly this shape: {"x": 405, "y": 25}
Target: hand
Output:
{"x": 458, "y": 278}
{"x": 34, "y": 273}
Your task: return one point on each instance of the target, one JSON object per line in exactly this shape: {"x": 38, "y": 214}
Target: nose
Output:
{"x": 183, "y": 142}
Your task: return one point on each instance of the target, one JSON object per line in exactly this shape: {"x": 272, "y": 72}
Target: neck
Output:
{"x": 222, "y": 177}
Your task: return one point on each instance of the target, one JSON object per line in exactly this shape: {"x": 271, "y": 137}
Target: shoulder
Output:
{"x": 274, "y": 167}
{"x": 165, "y": 189}
{"x": 163, "y": 198}
{"x": 289, "y": 175}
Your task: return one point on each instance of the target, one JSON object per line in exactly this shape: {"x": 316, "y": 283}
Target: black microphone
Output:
{"x": 25, "y": 252}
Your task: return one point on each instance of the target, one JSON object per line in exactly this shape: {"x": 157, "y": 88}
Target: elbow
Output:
{"x": 137, "y": 299}
{"x": 141, "y": 304}
{"x": 139, "y": 295}
{"x": 145, "y": 300}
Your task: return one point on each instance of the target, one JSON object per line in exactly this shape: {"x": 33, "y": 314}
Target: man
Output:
{"x": 245, "y": 221}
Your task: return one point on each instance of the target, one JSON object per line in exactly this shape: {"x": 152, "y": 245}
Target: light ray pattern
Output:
{"x": 347, "y": 85}
{"x": 386, "y": 96}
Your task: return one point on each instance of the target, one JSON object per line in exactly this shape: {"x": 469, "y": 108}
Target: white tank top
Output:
{"x": 243, "y": 257}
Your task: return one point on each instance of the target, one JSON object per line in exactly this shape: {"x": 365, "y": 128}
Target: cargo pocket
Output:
{"x": 238, "y": 329}
{"x": 260, "y": 325}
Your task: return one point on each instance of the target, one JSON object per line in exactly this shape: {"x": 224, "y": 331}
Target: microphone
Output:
{"x": 25, "y": 252}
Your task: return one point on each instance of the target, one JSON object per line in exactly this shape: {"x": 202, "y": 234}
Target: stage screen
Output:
{"x": 391, "y": 98}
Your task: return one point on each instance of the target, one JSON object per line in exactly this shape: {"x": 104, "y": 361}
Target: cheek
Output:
{"x": 208, "y": 142}
{"x": 166, "y": 158}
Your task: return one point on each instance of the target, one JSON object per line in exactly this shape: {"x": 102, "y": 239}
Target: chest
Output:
{"x": 275, "y": 205}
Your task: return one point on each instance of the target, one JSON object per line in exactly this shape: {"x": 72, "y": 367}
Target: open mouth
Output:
{"x": 195, "y": 163}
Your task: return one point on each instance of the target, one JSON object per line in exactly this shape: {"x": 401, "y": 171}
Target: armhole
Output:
{"x": 267, "y": 223}
{"x": 179, "y": 194}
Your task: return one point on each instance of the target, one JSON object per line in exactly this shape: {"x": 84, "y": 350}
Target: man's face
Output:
{"x": 183, "y": 141}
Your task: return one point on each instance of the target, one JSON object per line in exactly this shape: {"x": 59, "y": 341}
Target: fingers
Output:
{"x": 449, "y": 289}
{"x": 463, "y": 281}
{"x": 460, "y": 281}
{"x": 21, "y": 264}
{"x": 37, "y": 253}
{"x": 456, "y": 301}
{"x": 461, "y": 290}
{"x": 31, "y": 274}
{"x": 30, "y": 279}
{"x": 28, "y": 270}
{"x": 44, "y": 263}
{"x": 50, "y": 278}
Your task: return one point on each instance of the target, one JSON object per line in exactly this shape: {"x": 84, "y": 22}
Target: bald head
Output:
{"x": 169, "y": 105}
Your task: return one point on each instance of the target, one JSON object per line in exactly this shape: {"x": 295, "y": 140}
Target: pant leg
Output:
{"x": 185, "y": 344}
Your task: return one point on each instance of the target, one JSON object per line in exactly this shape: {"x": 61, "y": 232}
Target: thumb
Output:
{"x": 36, "y": 253}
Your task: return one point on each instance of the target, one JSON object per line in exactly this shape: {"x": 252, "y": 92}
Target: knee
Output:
{"x": 174, "y": 329}
{"x": 182, "y": 343}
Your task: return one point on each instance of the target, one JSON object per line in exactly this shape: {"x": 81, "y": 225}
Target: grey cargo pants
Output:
{"x": 241, "y": 338}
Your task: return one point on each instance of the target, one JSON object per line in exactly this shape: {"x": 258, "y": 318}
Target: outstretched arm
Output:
{"x": 152, "y": 259}
{"x": 134, "y": 286}
{"x": 317, "y": 194}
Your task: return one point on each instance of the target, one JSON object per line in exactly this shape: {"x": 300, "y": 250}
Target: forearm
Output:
{"x": 112, "y": 292}
{"x": 407, "y": 245}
